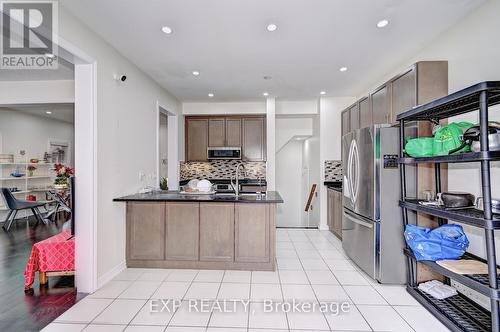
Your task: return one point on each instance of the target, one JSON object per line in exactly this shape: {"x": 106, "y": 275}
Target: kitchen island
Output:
{"x": 168, "y": 229}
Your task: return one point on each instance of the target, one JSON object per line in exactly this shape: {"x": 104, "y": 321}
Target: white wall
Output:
{"x": 288, "y": 127}
{"x": 330, "y": 122}
{"x": 36, "y": 92}
{"x": 288, "y": 183}
{"x": 473, "y": 55}
{"x": 313, "y": 165}
{"x": 126, "y": 136}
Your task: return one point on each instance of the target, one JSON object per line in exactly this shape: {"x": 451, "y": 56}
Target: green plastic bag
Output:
{"x": 420, "y": 147}
{"x": 448, "y": 138}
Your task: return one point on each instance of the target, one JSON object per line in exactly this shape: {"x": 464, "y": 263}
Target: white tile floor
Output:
{"x": 312, "y": 267}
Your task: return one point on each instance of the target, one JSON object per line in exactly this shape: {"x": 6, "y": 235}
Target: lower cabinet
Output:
{"x": 334, "y": 212}
{"x": 146, "y": 231}
{"x": 217, "y": 232}
{"x": 252, "y": 227}
{"x": 182, "y": 231}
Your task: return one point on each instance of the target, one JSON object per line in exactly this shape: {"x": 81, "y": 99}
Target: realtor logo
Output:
{"x": 29, "y": 35}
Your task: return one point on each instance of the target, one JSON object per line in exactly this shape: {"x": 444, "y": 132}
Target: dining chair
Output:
{"x": 15, "y": 205}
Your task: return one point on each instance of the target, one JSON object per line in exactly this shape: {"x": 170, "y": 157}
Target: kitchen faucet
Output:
{"x": 236, "y": 187}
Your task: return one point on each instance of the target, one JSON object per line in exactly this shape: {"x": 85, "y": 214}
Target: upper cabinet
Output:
{"x": 254, "y": 139}
{"x": 346, "y": 122}
{"x": 354, "y": 116}
{"x": 196, "y": 139}
{"x": 247, "y": 132}
{"x": 419, "y": 84}
{"x": 381, "y": 105}
{"x": 365, "y": 114}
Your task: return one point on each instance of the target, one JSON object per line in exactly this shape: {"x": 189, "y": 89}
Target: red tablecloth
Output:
{"x": 56, "y": 253}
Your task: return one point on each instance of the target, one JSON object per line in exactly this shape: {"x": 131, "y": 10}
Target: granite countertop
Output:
{"x": 334, "y": 185}
{"x": 175, "y": 196}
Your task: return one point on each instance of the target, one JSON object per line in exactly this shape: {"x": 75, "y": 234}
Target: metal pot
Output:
{"x": 495, "y": 204}
{"x": 456, "y": 199}
{"x": 494, "y": 143}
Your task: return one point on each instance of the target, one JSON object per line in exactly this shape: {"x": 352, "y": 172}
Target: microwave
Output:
{"x": 224, "y": 153}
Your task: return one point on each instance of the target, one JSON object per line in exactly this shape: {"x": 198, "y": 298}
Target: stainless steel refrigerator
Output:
{"x": 372, "y": 231}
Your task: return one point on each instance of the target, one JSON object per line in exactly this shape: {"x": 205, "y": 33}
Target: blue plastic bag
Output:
{"x": 445, "y": 242}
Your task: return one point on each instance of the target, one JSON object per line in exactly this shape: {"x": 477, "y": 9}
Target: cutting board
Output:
{"x": 465, "y": 266}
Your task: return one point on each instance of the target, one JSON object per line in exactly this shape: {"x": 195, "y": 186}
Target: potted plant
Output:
{"x": 63, "y": 173}
{"x": 31, "y": 170}
{"x": 164, "y": 184}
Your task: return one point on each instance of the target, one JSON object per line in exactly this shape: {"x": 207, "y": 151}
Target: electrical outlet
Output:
{"x": 477, "y": 297}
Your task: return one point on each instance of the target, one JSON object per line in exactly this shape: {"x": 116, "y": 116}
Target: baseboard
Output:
{"x": 323, "y": 227}
{"x": 102, "y": 280}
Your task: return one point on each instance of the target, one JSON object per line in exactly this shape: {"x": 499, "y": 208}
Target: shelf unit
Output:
{"x": 458, "y": 313}
{"x": 42, "y": 181}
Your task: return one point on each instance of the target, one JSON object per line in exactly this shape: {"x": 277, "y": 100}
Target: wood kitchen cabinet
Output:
{"x": 196, "y": 139}
{"x": 365, "y": 113}
{"x": 145, "y": 231}
{"x": 254, "y": 139}
{"x": 216, "y": 132}
{"x": 216, "y": 232}
{"x": 246, "y": 132}
{"x": 346, "y": 122}
{"x": 252, "y": 229}
{"x": 335, "y": 209}
{"x": 182, "y": 231}
{"x": 354, "y": 117}
{"x": 233, "y": 132}
{"x": 404, "y": 94}
{"x": 381, "y": 105}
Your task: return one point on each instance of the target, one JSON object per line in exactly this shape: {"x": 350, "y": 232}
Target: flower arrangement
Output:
{"x": 63, "y": 173}
{"x": 31, "y": 170}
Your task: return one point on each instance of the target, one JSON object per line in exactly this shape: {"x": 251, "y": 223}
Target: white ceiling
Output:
{"x": 227, "y": 41}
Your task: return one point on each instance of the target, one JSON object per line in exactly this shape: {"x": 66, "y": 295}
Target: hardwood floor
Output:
{"x": 29, "y": 312}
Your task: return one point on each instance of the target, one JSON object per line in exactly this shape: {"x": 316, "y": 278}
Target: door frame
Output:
{"x": 173, "y": 147}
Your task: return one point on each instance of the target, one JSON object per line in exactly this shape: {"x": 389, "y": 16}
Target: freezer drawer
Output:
{"x": 358, "y": 241}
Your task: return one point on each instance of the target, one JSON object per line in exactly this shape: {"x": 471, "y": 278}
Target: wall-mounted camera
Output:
{"x": 120, "y": 77}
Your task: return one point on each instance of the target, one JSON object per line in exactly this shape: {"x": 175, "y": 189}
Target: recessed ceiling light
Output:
{"x": 271, "y": 27}
{"x": 322, "y": 93}
{"x": 382, "y": 23}
{"x": 343, "y": 69}
{"x": 211, "y": 95}
{"x": 265, "y": 94}
{"x": 166, "y": 29}
{"x": 49, "y": 55}
{"x": 196, "y": 73}
{"x": 48, "y": 112}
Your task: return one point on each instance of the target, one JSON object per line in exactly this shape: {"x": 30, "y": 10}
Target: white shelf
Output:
{"x": 26, "y": 164}
{"x": 26, "y": 177}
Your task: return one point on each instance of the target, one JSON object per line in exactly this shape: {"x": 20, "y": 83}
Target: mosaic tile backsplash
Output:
{"x": 333, "y": 170}
{"x": 221, "y": 169}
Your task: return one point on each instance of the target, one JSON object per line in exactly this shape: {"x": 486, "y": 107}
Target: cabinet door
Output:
{"x": 252, "y": 227}
{"x": 330, "y": 207}
{"x": 354, "y": 116}
{"x": 365, "y": 113}
{"x": 381, "y": 106}
{"x": 233, "y": 132}
{"x": 182, "y": 231}
{"x": 145, "y": 231}
{"x": 338, "y": 208}
{"x": 254, "y": 142}
{"x": 196, "y": 139}
{"x": 346, "y": 122}
{"x": 404, "y": 93}
{"x": 217, "y": 132}
{"x": 216, "y": 232}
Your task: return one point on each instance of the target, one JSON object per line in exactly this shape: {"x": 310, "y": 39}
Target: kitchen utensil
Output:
{"x": 456, "y": 199}
{"x": 472, "y": 137}
{"x": 193, "y": 184}
{"x": 495, "y": 204}
{"x": 204, "y": 186}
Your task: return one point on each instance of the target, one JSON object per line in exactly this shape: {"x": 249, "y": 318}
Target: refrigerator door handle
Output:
{"x": 358, "y": 219}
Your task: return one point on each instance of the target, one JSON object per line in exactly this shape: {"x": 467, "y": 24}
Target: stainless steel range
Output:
{"x": 372, "y": 231}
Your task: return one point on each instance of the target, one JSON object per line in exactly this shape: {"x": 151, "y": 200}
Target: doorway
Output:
{"x": 167, "y": 157}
